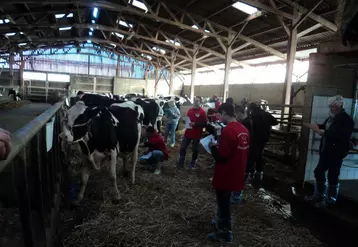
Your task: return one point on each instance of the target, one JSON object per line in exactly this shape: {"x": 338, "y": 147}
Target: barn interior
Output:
{"x": 290, "y": 56}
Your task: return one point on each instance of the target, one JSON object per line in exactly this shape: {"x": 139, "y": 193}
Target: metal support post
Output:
{"x": 21, "y": 75}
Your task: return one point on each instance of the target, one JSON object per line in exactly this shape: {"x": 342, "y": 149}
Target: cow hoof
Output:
{"x": 125, "y": 174}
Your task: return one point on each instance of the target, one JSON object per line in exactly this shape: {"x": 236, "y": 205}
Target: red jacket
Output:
{"x": 157, "y": 143}
{"x": 197, "y": 116}
{"x": 232, "y": 153}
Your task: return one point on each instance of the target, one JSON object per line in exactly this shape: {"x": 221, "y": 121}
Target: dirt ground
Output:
{"x": 174, "y": 209}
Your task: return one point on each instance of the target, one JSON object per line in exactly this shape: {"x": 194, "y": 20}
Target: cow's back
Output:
{"x": 127, "y": 129}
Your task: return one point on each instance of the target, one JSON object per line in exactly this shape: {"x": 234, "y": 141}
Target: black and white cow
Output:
{"x": 151, "y": 110}
{"x": 13, "y": 95}
{"x": 113, "y": 130}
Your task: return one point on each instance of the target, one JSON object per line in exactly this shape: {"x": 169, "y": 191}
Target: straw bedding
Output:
{"x": 174, "y": 209}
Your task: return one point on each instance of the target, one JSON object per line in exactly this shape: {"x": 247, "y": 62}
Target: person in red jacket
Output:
{"x": 157, "y": 149}
{"x": 197, "y": 122}
{"x": 229, "y": 173}
{"x": 213, "y": 116}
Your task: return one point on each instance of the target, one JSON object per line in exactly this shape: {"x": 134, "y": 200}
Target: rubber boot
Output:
{"x": 333, "y": 191}
{"x": 319, "y": 194}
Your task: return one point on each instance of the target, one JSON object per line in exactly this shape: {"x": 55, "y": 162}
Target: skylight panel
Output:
{"x": 139, "y": 4}
{"x": 125, "y": 24}
{"x": 90, "y": 33}
{"x": 245, "y": 8}
{"x": 59, "y": 16}
{"x": 93, "y": 21}
{"x": 170, "y": 41}
{"x": 22, "y": 44}
{"x": 65, "y": 28}
{"x": 147, "y": 57}
{"x": 10, "y": 34}
{"x": 6, "y": 20}
{"x": 89, "y": 41}
{"x": 159, "y": 50}
{"x": 119, "y": 35}
{"x": 95, "y": 12}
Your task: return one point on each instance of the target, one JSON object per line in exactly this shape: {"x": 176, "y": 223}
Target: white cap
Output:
{"x": 337, "y": 100}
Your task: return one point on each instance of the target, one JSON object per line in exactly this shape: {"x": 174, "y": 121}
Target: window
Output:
{"x": 125, "y": 24}
{"x": 34, "y": 76}
{"x": 90, "y": 33}
{"x": 196, "y": 27}
{"x": 93, "y": 21}
{"x": 245, "y": 8}
{"x": 65, "y": 28}
{"x": 139, "y": 4}
{"x": 89, "y": 41}
{"x": 58, "y": 77}
{"x": 159, "y": 50}
{"x": 170, "y": 41}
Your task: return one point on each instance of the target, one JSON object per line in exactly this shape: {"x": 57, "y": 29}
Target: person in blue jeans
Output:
{"x": 173, "y": 114}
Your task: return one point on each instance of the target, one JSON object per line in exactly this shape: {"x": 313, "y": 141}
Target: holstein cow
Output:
{"x": 13, "y": 95}
{"x": 113, "y": 130}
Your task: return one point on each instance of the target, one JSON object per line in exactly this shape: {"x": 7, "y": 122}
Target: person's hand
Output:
{"x": 192, "y": 124}
{"x": 211, "y": 144}
{"x": 5, "y": 144}
{"x": 314, "y": 127}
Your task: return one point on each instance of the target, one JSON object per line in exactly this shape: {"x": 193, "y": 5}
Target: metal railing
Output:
{"x": 36, "y": 163}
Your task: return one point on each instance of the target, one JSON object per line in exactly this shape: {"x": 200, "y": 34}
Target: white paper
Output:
{"x": 67, "y": 102}
{"x": 146, "y": 156}
{"x": 205, "y": 142}
{"x": 187, "y": 123}
{"x": 49, "y": 134}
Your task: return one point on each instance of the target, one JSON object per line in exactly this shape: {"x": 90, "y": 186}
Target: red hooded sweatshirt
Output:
{"x": 197, "y": 116}
{"x": 157, "y": 143}
{"x": 231, "y": 157}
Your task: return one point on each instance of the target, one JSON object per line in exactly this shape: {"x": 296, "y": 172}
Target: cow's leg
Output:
{"x": 125, "y": 160}
{"x": 113, "y": 175}
{"x": 85, "y": 173}
{"x": 135, "y": 153}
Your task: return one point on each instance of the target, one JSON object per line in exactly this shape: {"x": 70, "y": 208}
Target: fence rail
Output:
{"x": 36, "y": 161}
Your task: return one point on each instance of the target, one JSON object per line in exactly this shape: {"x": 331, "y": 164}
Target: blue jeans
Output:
{"x": 195, "y": 148}
{"x": 170, "y": 128}
{"x": 156, "y": 157}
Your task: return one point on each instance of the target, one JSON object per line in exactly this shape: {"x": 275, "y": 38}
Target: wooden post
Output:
{"x": 11, "y": 65}
{"x": 193, "y": 74}
{"x": 171, "y": 84}
{"x": 21, "y": 75}
{"x": 292, "y": 46}
{"x": 118, "y": 70}
{"x": 156, "y": 81}
{"x": 228, "y": 59}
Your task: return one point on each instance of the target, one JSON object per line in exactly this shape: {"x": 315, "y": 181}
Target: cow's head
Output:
{"x": 75, "y": 124}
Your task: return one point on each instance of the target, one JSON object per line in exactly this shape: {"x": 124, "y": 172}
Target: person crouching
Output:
{"x": 157, "y": 150}
{"x": 229, "y": 173}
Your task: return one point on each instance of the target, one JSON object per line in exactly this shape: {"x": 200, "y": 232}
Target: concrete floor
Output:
{"x": 15, "y": 118}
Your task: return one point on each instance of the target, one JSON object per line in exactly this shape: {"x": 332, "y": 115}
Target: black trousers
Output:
{"x": 159, "y": 126}
{"x": 224, "y": 213}
{"x": 331, "y": 163}
{"x": 255, "y": 160}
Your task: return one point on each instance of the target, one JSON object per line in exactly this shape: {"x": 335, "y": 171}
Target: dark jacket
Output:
{"x": 247, "y": 122}
{"x": 261, "y": 126}
{"x": 336, "y": 138}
